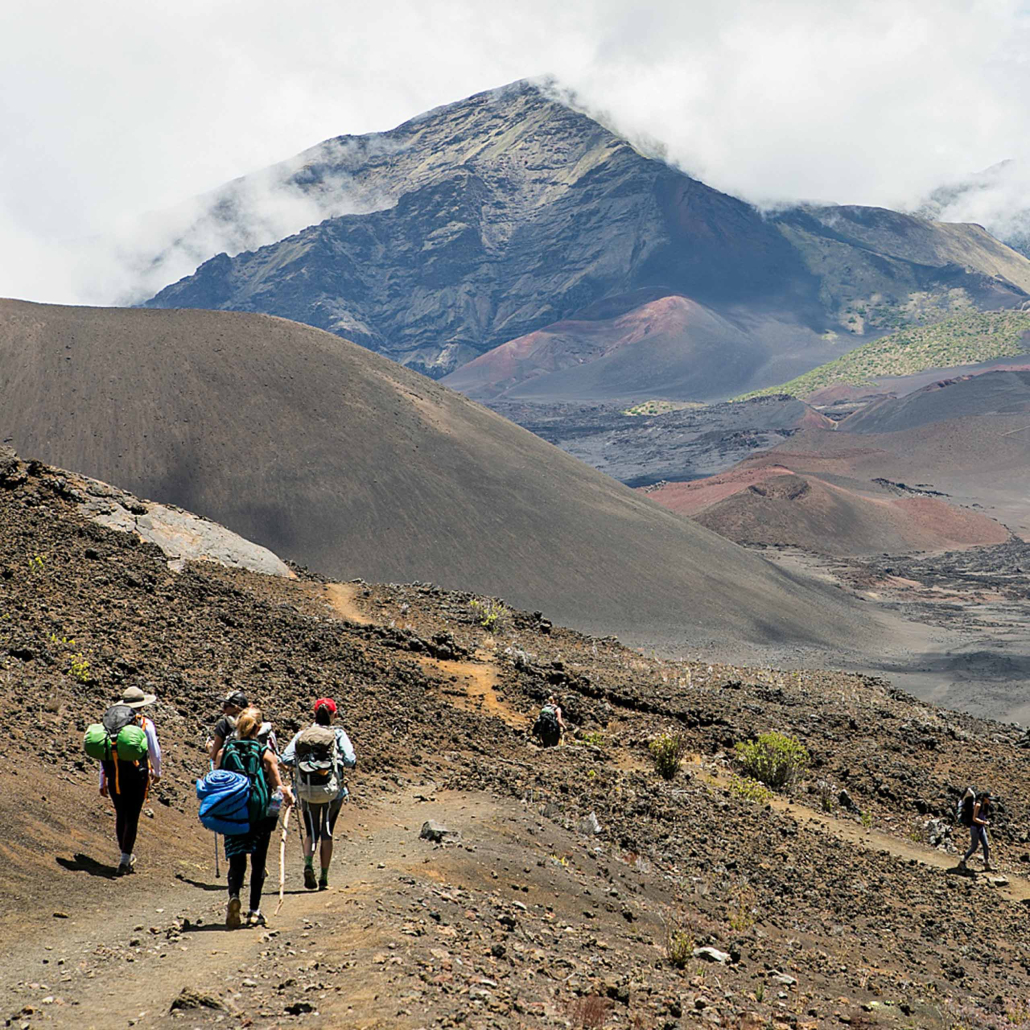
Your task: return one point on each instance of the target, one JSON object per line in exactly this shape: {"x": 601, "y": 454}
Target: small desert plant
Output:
{"x": 750, "y": 790}
{"x": 667, "y": 750}
{"x": 679, "y": 948}
{"x": 867, "y": 820}
{"x": 78, "y": 668}
{"x": 774, "y": 758}
{"x": 742, "y": 912}
{"x": 490, "y": 615}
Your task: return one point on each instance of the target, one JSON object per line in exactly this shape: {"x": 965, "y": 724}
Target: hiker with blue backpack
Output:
{"x": 241, "y": 799}
{"x": 320, "y": 755}
{"x": 125, "y": 742}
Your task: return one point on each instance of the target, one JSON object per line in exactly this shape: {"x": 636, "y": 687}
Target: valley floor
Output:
{"x": 959, "y": 622}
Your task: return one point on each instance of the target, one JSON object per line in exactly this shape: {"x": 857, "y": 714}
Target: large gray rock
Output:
{"x": 182, "y": 535}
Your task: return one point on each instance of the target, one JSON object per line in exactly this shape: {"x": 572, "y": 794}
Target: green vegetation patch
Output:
{"x": 660, "y": 407}
{"x": 965, "y": 339}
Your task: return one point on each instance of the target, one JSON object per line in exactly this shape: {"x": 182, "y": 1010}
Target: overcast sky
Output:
{"x": 114, "y": 108}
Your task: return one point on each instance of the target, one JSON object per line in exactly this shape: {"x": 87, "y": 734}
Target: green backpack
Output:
{"x": 118, "y": 735}
{"x": 245, "y": 756}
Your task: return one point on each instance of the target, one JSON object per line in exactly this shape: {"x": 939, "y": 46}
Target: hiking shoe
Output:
{"x": 128, "y": 866}
{"x": 255, "y": 918}
{"x": 309, "y": 878}
{"x": 988, "y": 868}
{"x": 323, "y": 883}
{"x": 232, "y": 914}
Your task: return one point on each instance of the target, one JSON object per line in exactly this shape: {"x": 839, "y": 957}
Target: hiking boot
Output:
{"x": 127, "y": 866}
{"x": 323, "y": 880}
{"x": 232, "y": 914}
{"x": 988, "y": 868}
{"x": 255, "y": 918}
{"x": 309, "y": 878}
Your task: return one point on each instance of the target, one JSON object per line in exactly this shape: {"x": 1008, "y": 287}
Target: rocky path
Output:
{"x": 1014, "y": 888}
{"x": 410, "y": 933}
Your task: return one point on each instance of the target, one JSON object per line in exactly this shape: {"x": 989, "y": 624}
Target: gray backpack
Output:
{"x": 317, "y": 759}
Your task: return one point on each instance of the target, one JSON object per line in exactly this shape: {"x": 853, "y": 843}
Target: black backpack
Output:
{"x": 546, "y": 726}
{"x": 964, "y": 808}
{"x": 245, "y": 756}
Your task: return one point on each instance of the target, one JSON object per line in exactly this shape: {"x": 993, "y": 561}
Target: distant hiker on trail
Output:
{"x": 244, "y": 753}
{"x": 975, "y": 813}
{"x": 232, "y": 704}
{"x": 320, "y": 755}
{"x": 130, "y": 760}
{"x": 550, "y": 725}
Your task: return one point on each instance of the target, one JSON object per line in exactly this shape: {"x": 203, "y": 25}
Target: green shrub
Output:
{"x": 775, "y": 759}
{"x": 490, "y": 615}
{"x": 748, "y": 789}
{"x": 667, "y": 750}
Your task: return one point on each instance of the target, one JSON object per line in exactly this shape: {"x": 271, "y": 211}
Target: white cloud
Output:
{"x": 115, "y": 109}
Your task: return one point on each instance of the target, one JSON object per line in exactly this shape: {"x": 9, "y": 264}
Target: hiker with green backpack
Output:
{"x": 125, "y": 742}
{"x": 245, "y": 754}
{"x": 319, "y": 755}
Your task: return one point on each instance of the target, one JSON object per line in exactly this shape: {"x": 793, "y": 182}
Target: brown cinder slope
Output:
{"x": 343, "y": 460}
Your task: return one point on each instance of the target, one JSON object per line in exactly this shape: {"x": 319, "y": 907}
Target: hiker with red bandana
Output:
{"x": 319, "y": 756}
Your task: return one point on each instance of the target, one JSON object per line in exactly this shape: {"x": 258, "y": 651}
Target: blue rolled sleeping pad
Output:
{"x": 224, "y": 801}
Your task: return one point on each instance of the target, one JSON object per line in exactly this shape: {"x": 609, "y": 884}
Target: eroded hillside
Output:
{"x": 829, "y": 905}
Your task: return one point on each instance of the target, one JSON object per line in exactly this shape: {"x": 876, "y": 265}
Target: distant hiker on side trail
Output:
{"x": 550, "y": 726}
{"x": 126, "y": 744}
{"x": 320, "y": 755}
{"x": 244, "y": 753}
{"x": 975, "y": 813}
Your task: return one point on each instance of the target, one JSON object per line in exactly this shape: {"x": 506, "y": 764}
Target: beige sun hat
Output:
{"x": 135, "y": 698}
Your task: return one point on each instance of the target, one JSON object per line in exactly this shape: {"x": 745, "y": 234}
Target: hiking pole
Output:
{"x": 282, "y": 859}
{"x": 218, "y": 875}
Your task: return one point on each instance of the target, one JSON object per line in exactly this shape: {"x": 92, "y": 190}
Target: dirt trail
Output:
{"x": 1016, "y": 888}
{"x": 343, "y": 598}
{"x": 474, "y": 682}
{"x": 352, "y": 956}
{"x": 475, "y": 686}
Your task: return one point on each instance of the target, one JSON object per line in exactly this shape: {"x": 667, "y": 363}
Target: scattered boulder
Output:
{"x": 437, "y": 832}
{"x": 188, "y": 998}
{"x": 711, "y": 955}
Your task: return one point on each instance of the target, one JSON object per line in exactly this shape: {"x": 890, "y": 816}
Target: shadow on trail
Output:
{"x": 191, "y": 927}
{"x": 199, "y": 885}
{"x": 84, "y": 864}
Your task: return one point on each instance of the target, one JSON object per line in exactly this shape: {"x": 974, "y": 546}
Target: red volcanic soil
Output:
{"x": 664, "y": 344}
{"x": 774, "y": 505}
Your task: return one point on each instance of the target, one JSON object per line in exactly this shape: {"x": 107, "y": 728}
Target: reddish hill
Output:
{"x": 613, "y": 357}
{"x": 774, "y": 505}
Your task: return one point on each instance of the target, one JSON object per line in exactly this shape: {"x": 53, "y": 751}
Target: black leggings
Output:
{"x": 320, "y": 820}
{"x": 238, "y": 870}
{"x": 128, "y": 801}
